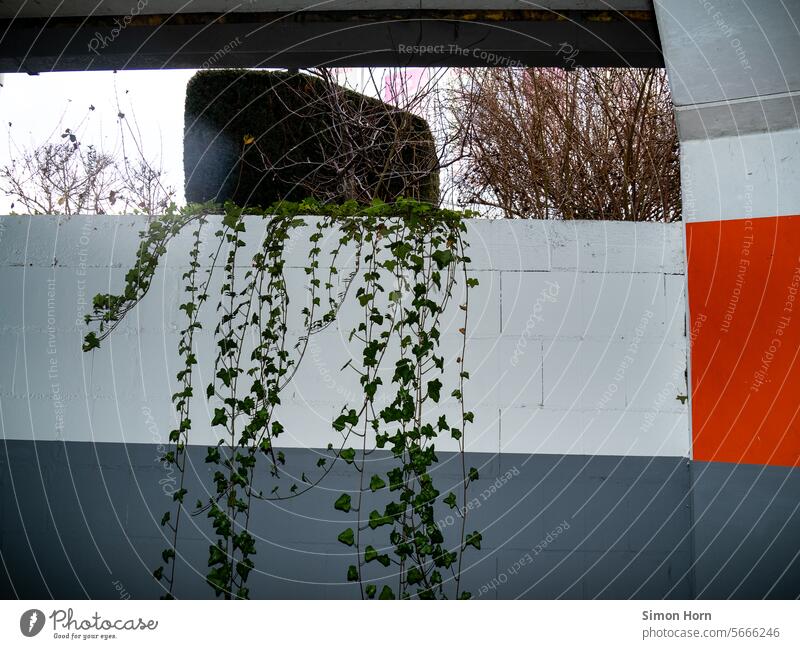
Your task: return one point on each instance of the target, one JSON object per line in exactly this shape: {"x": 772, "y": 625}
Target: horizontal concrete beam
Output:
{"x": 729, "y": 49}
{"x": 397, "y": 37}
{"x": 52, "y": 8}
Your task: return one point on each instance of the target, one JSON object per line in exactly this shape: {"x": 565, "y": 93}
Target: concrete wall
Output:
{"x": 736, "y": 92}
{"x": 574, "y": 326}
{"x": 578, "y": 357}
{"x": 736, "y": 88}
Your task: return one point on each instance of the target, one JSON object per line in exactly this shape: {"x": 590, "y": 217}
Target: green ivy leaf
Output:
{"x": 343, "y": 503}
{"x": 434, "y": 389}
{"x": 345, "y": 419}
{"x": 473, "y": 539}
{"x": 244, "y": 567}
{"x": 213, "y": 455}
{"x": 216, "y": 555}
{"x": 376, "y": 520}
{"x": 376, "y": 483}
{"x": 220, "y": 417}
{"x": 442, "y": 258}
{"x": 414, "y": 575}
{"x": 386, "y": 593}
{"x": 91, "y": 342}
{"x": 347, "y": 537}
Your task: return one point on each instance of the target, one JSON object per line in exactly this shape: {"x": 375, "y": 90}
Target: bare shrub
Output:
{"x": 549, "y": 143}
{"x": 67, "y": 176}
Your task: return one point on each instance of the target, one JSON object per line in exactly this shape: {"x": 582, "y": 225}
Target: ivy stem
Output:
{"x": 462, "y": 441}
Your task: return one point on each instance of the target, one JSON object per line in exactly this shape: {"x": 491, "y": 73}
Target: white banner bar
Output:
{"x": 399, "y": 624}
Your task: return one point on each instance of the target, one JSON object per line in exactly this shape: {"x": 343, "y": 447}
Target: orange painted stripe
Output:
{"x": 744, "y": 330}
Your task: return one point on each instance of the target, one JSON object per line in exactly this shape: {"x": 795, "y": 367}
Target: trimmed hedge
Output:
{"x": 289, "y": 119}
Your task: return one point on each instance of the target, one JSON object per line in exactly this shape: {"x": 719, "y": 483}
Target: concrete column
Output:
{"x": 735, "y": 79}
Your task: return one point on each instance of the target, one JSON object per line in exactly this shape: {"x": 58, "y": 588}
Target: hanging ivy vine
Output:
{"x": 404, "y": 262}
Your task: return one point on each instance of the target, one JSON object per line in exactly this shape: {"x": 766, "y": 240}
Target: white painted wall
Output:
{"x": 577, "y": 341}
{"x": 741, "y": 176}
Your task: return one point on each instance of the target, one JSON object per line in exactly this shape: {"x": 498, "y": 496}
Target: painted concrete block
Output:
{"x": 613, "y": 247}
{"x": 41, "y": 364}
{"x": 675, "y": 317}
{"x": 741, "y": 176}
{"x": 619, "y": 432}
{"x": 541, "y": 430}
{"x": 542, "y": 304}
{"x": 629, "y": 306}
{"x": 27, "y": 241}
{"x": 520, "y": 367}
{"x": 512, "y": 245}
{"x": 581, "y": 374}
{"x": 657, "y": 378}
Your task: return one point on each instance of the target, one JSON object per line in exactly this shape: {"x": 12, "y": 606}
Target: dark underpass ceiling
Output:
{"x": 558, "y": 36}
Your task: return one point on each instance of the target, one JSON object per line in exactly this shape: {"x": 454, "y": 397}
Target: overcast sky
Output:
{"x": 40, "y": 107}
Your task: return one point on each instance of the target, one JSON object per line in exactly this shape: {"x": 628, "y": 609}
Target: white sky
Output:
{"x": 40, "y": 107}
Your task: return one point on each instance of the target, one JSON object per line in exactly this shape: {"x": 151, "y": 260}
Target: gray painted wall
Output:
{"x": 79, "y": 520}
{"x": 747, "y": 530}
